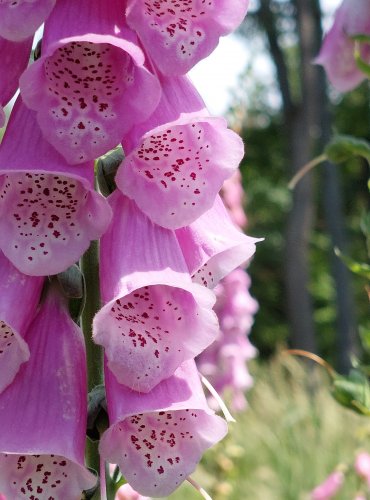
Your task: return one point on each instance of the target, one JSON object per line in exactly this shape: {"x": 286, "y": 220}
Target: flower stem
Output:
{"x": 305, "y": 169}
{"x": 94, "y": 354}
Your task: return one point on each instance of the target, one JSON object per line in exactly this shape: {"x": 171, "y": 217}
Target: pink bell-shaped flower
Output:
{"x": 14, "y": 60}
{"x": 180, "y": 159}
{"x": 157, "y": 439}
{"x": 49, "y": 211}
{"x": 21, "y": 18}
{"x": 213, "y": 246}
{"x": 177, "y": 35}
{"x": 15, "y": 289}
{"x": 337, "y": 51}
{"x": 90, "y": 85}
{"x": 44, "y": 412}
{"x": 154, "y": 316}
{"x": 329, "y": 487}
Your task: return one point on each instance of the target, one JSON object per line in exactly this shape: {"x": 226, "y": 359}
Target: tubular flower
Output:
{"x": 177, "y": 35}
{"x": 233, "y": 195}
{"x": 337, "y": 51}
{"x": 44, "y": 412}
{"x": 126, "y": 492}
{"x": 158, "y": 438}
{"x": 49, "y": 211}
{"x": 21, "y": 18}
{"x": 362, "y": 466}
{"x": 14, "y": 60}
{"x": 154, "y": 317}
{"x": 14, "y": 321}
{"x": 329, "y": 487}
{"x": 213, "y": 246}
{"x": 90, "y": 86}
{"x": 182, "y": 159}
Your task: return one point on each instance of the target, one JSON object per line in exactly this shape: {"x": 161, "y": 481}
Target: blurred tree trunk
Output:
{"x": 307, "y": 129}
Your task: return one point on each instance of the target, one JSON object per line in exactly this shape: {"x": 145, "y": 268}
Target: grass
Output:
{"x": 292, "y": 436}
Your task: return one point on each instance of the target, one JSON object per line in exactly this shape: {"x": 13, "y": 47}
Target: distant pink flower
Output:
{"x": 362, "y": 466}
{"x": 44, "y": 412}
{"x": 178, "y": 159}
{"x": 90, "y": 85}
{"x": 49, "y": 210}
{"x": 213, "y": 246}
{"x": 19, "y": 297}
{"x": 233, "y": 195}
{"x": 154, "y": 316}
{"x": 158, "y": 438}
{"x": 14, "y": 60}
{"x": 126, "y": 492}
{"x": 21, "y": 18}
{"x": 179, "y": 34}
{"x": 337, "y": 51}
{"x": 329, "y": 487}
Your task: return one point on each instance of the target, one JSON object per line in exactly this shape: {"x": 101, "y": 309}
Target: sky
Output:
{"x": 216, "y": 77}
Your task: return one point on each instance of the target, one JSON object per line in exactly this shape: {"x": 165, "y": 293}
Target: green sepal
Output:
{"x": 344, "y": 147}
{"x": 353, "y": 391}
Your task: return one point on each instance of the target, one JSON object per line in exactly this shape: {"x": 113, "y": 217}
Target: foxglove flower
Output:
{"x": 90, "y": 86}
{"x": 213, "y": 246}
{"x": 181, "y": 160}
{"x": 21, "y": 18}
{"x": 179, "y": 34}
{"x": 126, "y": 492}
{"x": 362, "y": 466}
{"x": 337, "y": 51}
{"x": 14, "y": 60}
{"x": 15, "y": 288}
{"x": 154, "y": 317}
{"x": 233, "y": 195}
{"x": 44, "y": 412}
{"x": 158, "y": 438}
{"x": 49, "y": 211}
{"x": 329, "y": 487}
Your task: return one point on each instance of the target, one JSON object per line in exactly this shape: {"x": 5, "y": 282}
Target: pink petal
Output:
{"x": 154, "y": 317}
{"x": 329, "y": 487}
{"x": 213, "y": 246}
{"x": 178, "y": 169}
{"x": 88, "y": 89}
{"x": 21, "y": 18}
{"x": 44, "y": 411}
{"x": 158, "y": 438}
{"x": 46, "y": 205}
{"x": 337, "y": 51}
{"x": 15, "y": 288}
{"x": 177, "y": 35}
{"x": 14, "y": 60}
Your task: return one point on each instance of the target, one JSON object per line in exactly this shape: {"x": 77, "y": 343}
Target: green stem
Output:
{"x": 94, "y": 353}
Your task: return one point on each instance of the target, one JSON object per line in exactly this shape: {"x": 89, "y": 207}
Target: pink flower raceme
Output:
{"x": 329, "y": 487}
{"x": 44, "y": 412}
{"x": 21, "y": 18}
{"x": 224, "y": 362}
{"x": 158, "y": 438}
{"x": 49, "y": 211}
{"x": 213, "y": 246}
{"x": 15, "y": 289}
{"x": 154, "y": 317}
{"x": 337, "y": 51}
{"x": 14, "y": 60}
{"x": 179, "y": 34}
{"x": 90, "y": 86}
{"x": 179, "y": 158}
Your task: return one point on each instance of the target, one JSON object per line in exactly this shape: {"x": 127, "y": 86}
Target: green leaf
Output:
{"x": 344, "y": 147}
{"x": 356, "y": 267}
{"x": 365, "y": 338}
{"x": 353, "y": 392}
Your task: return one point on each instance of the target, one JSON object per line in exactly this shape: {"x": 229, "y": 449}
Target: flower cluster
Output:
{"x": 224, "y": 362}
{"x": 111, "y": 72}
